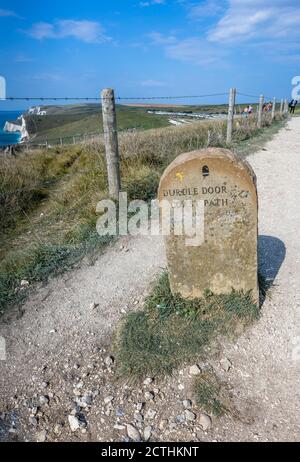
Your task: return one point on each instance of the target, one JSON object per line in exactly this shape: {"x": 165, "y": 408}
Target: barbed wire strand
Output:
{"x": 88, "y": 98}
{"x": 126, "y": 98}
{"x": 257, "y": 96}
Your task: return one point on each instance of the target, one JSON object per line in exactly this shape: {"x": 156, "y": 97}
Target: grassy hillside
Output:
{"x": 67, "y": 121}
{"x": 71, "y": 120}
{"x": 48, "y": 197}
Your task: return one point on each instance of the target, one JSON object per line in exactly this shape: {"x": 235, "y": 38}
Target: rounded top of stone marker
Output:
{"x": 223, "y": 158}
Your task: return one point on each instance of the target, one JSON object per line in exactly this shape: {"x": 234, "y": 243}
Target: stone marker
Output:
{"x": 225, "y": 256}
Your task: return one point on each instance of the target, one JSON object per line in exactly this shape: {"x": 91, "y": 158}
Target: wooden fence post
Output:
{"x": 286, "y": 106}
{"x": 111, "y": 142}
{"x": 232, "y": 96}
{"x": 273, "y": 108}
{"x": 260, "y": 111}
{"x": 281, "y": 106}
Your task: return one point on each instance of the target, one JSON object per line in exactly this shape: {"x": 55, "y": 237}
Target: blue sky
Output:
{"x": 148, "y": 47}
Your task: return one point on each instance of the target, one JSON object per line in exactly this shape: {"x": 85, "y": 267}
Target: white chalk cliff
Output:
{"x": 18, "y": 127}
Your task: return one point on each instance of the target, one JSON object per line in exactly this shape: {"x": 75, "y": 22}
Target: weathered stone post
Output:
{"x": 260, "y": 111}
{"x": 232, "y": 96}
{"x": 281, "y": 106}
{"x": 111, "y": 142}
{"x": 219, "y": 251}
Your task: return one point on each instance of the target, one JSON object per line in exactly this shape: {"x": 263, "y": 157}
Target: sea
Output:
{"x": 6, "y": 138}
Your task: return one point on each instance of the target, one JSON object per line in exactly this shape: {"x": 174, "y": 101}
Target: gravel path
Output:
{"x": 266, "y": 361}
{"x": 61, "y": 342}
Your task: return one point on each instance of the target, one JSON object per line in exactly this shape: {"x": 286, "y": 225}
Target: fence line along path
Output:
{"x": 110, "y": 130}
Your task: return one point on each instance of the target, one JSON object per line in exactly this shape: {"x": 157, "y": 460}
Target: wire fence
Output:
{"x": 174, "y": 114}
{"x": 152, "y": 105}
{"x": 119, "y": 98}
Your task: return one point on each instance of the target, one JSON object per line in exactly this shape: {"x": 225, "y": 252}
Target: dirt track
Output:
{"x": 59, "y": 330}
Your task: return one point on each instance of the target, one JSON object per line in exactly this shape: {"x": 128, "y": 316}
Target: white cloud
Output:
{"x": 20, "y": 58}
{"x": 42, "y": 30}
{"x": 248, "y": 19}
{"x": 7, "y": 13}
{"x": 152, "y": 2}
{"x": 86, "y": 31}
{"x": 159, "y": 39}
{"x": 152, "y": 83}
{"x": 197, "y": 51}
{"x": 268, "y": 28}
{"x": 49, "y": 77}
{"x": 204, "y": 9}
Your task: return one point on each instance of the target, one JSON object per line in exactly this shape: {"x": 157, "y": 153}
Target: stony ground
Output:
{"x": 59, "y": 382}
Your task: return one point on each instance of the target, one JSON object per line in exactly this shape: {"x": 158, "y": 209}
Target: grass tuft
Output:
{"x": 208, "y": 394}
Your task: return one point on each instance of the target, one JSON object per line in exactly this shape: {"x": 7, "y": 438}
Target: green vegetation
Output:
{"x": 172, "y": 330}
{"x": 48, "y": 196}
{"x": 68, "y": 121}
{"x": 208, "y": 393}
{"x": 86, "y": 119}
